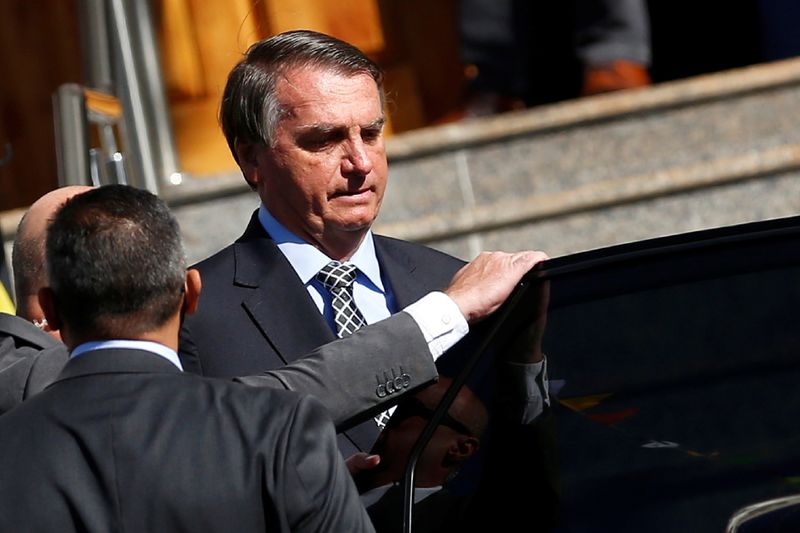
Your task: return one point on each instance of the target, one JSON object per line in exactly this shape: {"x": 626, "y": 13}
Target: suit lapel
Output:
{"x": 279, "y": 304}
{"x": 397, "y": 269}
{"x": 284, "y": 312}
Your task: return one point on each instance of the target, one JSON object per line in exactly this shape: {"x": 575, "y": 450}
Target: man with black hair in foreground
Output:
{"x": 32, "y": 356}
{"x": 123, "y": 440}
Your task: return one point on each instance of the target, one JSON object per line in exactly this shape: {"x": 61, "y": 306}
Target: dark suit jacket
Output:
{"x": 30, "y": 359}
{"x": 123, "y": 441}
{"x": 256, "y": 315}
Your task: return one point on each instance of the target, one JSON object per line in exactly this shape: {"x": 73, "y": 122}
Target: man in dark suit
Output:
{"x": 31, "y": 352}
{"x": 32, "y": 356}
{"x": 125, "y": 441}
{"x": 29, "y": 360}
{"x": 303, "y": 115}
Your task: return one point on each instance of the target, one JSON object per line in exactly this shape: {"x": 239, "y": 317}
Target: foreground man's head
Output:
{"x": 116, "y": 267}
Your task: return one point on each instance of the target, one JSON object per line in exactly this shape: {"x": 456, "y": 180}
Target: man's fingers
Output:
{"x": 358, "y": 462}
{"x": 481, "y": 286}
{"x": 528, "y": 259}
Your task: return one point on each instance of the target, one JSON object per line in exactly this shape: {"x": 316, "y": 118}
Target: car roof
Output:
{"x": 671, "y": 259}
{"x": 712, "y": 238}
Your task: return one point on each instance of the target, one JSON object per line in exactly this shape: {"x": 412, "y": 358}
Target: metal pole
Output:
{"x": 72, "y": 135}
{"x": 140, "y": 149}
{"x": 95, "y": 52}
{"x": 155, "y": 108}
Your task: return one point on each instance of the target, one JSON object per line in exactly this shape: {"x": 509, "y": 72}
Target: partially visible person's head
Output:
{"x": 115, "y": 264}
{"x": 303, "y": 115}
{"x": 28, "y": 251}
{"x": 455, "y": 440}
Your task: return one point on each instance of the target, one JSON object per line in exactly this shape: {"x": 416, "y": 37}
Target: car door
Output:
{"x": 672, "y": 369}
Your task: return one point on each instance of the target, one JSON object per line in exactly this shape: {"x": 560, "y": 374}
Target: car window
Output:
{"x": 676, "y": 404}
{"x": 672, "y": 367}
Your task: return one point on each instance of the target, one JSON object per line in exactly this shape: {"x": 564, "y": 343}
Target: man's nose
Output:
{"x": 356, "y": 159}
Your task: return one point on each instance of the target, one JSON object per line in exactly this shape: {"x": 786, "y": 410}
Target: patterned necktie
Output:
{"x": 338, "y": 278}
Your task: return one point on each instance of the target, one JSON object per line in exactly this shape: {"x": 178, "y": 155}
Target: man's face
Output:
{"x": 325, "y": 175}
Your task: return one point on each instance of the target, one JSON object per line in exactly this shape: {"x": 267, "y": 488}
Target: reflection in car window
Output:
{"x": 677, "y": 404}
{"x": 672, "y": 374}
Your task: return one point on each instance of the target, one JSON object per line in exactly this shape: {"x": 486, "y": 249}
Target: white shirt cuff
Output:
{"x": 440, "y": 320}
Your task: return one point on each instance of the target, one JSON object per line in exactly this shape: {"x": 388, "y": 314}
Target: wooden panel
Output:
{"x": 38, "y": 51}
{"x": 201, "y": 41}
{"x": 355, "y": 21}
{"x": 413, "y": 40}
{"x": 180, "y": 60}
{"x": 403, "y": 100}
{"x": 422, "y": 36}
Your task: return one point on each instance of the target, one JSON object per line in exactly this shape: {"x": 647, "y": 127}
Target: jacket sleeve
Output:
{"x": 360, "y": 375}
{"x": 25, "y": 371}
{"x": 318, "y": 493}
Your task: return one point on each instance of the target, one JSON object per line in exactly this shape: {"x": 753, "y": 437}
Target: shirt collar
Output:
{"x": 307, "y": 260}
{"x": 148, "y": 346}
{"x": 371, "y": 496}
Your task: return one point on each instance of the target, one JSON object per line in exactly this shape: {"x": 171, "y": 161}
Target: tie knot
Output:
{"x": 337, "y": 275}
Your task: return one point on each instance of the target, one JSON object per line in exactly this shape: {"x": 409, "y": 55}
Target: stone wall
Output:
{"x": 709, "y": 151}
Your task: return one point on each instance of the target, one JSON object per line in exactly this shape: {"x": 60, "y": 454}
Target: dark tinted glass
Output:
{"x": 413, "y": 407}
{"x": 672, "y": 365}
{"x": 677, "y": 404}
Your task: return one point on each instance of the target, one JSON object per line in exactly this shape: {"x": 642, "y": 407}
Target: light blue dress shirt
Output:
{"x": 374, "y": 299}
{"x": 436, "y": 314}
{"x": 148, "y": 346}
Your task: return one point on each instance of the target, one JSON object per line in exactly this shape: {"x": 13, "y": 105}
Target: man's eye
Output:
{"x": 370, "y": 135}
{"x": 315, "y": 143}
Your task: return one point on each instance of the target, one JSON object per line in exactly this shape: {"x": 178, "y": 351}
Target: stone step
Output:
{"x": 707, "y": 151}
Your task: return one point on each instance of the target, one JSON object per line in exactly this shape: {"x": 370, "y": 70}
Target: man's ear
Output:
{"x": 192, "y": 286}
{"x": 463, "y": 448}
{"x": 247, "y": 154}
{"x": 47, "y": 301}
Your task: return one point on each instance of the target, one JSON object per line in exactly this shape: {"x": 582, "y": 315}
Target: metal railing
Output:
{"x": 115, "y": 127}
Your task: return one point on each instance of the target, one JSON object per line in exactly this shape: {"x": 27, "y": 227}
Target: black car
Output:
{"x": 674, "y": 365}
